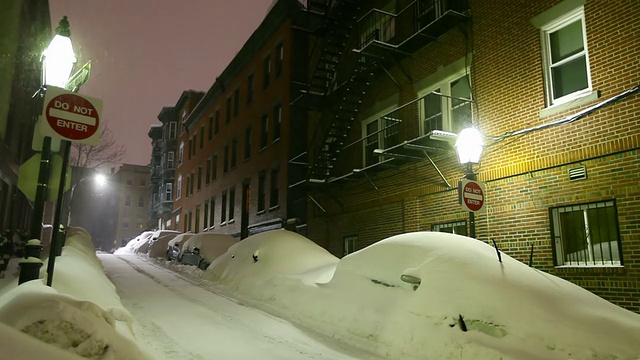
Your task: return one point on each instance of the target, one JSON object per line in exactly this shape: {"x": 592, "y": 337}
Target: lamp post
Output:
{"x": 469, "y": 146}
{"x": 58, "y": 61}
{"x": 98, "y": 178}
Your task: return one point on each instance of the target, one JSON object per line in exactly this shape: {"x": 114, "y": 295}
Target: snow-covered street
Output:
{"x": 175, "y": 318}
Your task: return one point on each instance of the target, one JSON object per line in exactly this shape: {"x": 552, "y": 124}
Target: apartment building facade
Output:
{"x": 552, "y": 85}
{"x": 130, "y": 184}
{"x": 163, "y": 162}
{"x": 232, "y": 171}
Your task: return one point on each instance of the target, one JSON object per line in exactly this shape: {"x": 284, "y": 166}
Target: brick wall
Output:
{"x": 525, "y": 175}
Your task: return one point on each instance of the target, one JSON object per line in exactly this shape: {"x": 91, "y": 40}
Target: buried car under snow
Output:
{"x": 440, "y": 294}
{"x": 201, "y": 249}
{"x": 174, "y": 247}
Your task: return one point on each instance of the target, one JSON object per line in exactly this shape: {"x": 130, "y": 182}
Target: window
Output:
{"x": 195, "y": 141}
{"x": 234, "y": 153}
{"x": 586, "y": 234}
{"x": 210, "y": 132}
{"x": 196, "y": 226}
{"x": 143, "y": 182}
{"x": 127, "y": 200}
{"x": 214, "y": 170}
{"x": 129, "y": 181}
{"x": 279, "y": 58}
{"x": 274, "y": 188}
{"x": 380, "y": 131}
{"x": 168, "y": 192}
{"x": 188, "y": 186}
{"x": 181, "y": 153}
{"x": 201, "y": 136}
{"x": 232, "y": 202}
{"x": 177, "y": 222}
{"x": 266, "y": 70}
{"x": 236, "y": 102}
{"x": 565, "y": 56}
{"x": 371, "y": 143}
{"x": 190, "y": 148}
{"x": 249, "y": 88}
{"x": 193, "y": 181}
{"x": 225, "y": 165}
{"x": 205, "y": 216}
{"x": 170, "y": 160}
{"x": 140, "y": 201}
{"x": 458, "y": 227}
{"x": 247, "y": 143}
{"x": 350, "y": 243}
{"x": 216, "y": 126}
{"x": 199, "y": 177}
{"x": 212, "y": 211}
{"x": 223, "y": 215}
{"x": 277, "y": 121}
{"x": 450, "y": 111}
{"x": 261, "y": 190}
{"x": 172, "y": 130}
{"x": 125, "y": 224}
{"x": 207, "y": 174}
{"x": 264, "y": 131}
{"x": 228, "y": 120}
{"x": 179, "y": 187}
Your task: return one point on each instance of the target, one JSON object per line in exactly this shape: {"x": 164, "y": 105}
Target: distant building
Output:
{"x": 26, "y": 32}
{"x": 131, "y": 185}
{"x": 164, "y": 159}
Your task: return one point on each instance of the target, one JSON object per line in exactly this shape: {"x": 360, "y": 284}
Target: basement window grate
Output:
{"x": 578, "y": 173}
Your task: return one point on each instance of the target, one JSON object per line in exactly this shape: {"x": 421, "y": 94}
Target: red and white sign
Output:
{"x": 70, "y": 116}
{"x": 472, "y": 195}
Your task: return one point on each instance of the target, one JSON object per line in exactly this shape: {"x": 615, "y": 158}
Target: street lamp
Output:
{"x": 58, "y": 60}
{"x": 469, "y": 146}
{"x": 98, "y": 178}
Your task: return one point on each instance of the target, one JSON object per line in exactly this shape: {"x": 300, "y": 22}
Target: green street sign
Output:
{"x": 28, "y": 177}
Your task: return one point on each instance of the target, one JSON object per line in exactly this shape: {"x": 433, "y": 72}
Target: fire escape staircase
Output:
{"x": 344, "y": 44}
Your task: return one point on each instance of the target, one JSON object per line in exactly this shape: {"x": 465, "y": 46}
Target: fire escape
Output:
{"x": 352, "y": 47}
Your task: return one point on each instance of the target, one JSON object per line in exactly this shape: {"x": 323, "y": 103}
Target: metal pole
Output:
{"x": 41, "y": 191}
{"x": 56, "y": 247}
{"x": 472, "y": 216}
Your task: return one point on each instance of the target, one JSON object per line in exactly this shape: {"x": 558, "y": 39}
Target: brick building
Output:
{"x": 232, "y": 171}
{"x": 163, "y": 160}
{"x": 553, "y": 87}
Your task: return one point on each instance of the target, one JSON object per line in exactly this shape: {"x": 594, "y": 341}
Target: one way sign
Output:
{"x": 70, "y": 116}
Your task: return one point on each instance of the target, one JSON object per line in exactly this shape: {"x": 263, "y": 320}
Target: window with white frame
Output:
{"x": 179, "y": 187}
{"x": 168, "y": 192}
{"x": 457, "y": 227}
{"x": 380, "y": 132}
{"x": 446, "y": 106}
{"x": 170, "y": 160}
{"x": 565, "y": 57}
{"x": 181, "y": 153}
{"x": 586, "y": 234}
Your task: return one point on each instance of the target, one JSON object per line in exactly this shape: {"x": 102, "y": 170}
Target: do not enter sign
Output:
{"x": 71, "y": 116}
{"x": 471, "y": 195}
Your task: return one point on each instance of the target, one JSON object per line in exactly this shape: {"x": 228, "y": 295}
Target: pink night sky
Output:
{"x": 145, "y": 53}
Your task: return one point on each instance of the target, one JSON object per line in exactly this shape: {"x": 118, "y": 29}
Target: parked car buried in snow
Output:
{"x": 174, "y": 247}
{"x": 201, "y": 249}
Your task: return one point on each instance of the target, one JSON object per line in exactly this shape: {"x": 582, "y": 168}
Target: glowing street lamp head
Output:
{"x": 469, "y": 146}
{"x": 59, "y": 57}
{"x": 100, "y": 179}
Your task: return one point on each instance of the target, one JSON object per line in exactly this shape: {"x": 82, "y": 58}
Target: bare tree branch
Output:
{"x": 89, "y": 156}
